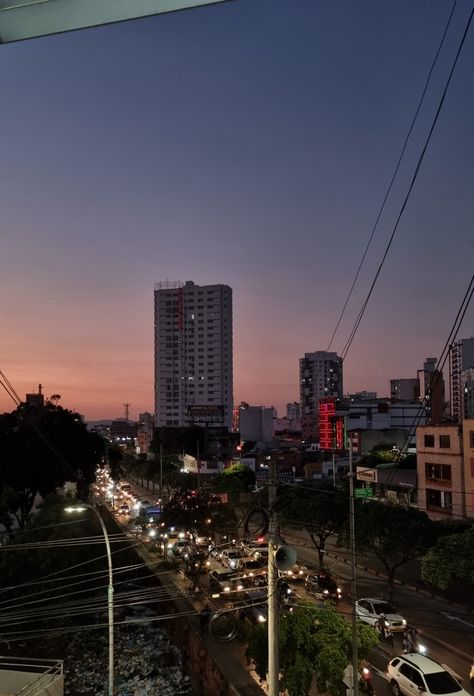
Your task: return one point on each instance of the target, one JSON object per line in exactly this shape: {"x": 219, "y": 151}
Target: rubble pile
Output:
{"x": 146, "y": 663}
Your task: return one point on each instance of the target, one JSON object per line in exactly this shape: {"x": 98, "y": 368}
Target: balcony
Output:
{"x": 23, "y": 676}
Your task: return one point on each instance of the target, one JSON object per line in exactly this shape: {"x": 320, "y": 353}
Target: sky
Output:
{"x": 251, "y": 144}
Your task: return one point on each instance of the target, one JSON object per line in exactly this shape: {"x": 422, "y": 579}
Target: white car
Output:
{"x": 231, "y": 558}
{"x": 370, "y": 609}
{"x": 413, "y": 674}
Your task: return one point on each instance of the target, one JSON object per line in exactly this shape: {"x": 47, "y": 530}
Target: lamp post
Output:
{"x": 110, "y": 590}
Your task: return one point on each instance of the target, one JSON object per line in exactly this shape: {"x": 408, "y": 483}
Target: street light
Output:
{"x": 110, "y": 590}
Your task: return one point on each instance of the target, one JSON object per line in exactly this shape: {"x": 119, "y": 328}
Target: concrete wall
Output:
{"x": 13, "y": 681}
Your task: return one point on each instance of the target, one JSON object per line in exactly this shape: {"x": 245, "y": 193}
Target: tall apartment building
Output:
{"x": 432, "y": 390}
{"x": 320, "y": 376}
{"x": 293, "y": 411}
{"x": 193, "y": 354}
{"x": 461, "y": 359}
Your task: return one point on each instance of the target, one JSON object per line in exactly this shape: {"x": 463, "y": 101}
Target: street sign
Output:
{"x": 363, "y": 492}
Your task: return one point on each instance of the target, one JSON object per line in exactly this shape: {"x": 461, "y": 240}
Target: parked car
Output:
{"x": 412, "y": 674}
{"x": 322, "y": 585}
{"x": 370, "y": 609}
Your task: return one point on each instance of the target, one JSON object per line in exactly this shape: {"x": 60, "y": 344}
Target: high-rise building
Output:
{"x": 320, "y": 376}
{"x": 461, "y": 358}
{"x": 432, "y": 390}
{"x": 293, "y": 411}
{"x": 467, "y": 381}
{"x": 405, "y": 389}
{"x": 193, "y": 354}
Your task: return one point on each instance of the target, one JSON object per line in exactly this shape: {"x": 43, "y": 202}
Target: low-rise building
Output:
{"x": 440, "y": 468}
{"x": 468, "y": 456}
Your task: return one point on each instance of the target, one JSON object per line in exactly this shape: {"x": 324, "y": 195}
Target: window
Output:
{"x": 471, "y": 439}
{"x": 417, "y": 679}
{"x": 472, "y": 468}
{"x": 406, "y": 670}
{"x": 438, "y": 472}
{"x": 429, "y": 440}
{"x": 445, "y": 441}
{"x": 439, "y": 500}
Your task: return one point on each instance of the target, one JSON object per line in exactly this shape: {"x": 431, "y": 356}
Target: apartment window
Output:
{"x": 471, "y": 439}
{"x": 439, "y": 500}
{"x": 429, "y": 440}
{"x": 472, "y": 468}
{"x": 438, "y": 472}
{"x": 445, "y": 441}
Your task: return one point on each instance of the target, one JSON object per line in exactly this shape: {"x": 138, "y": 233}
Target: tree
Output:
{"x": 451, "y": 558}
{"x": 40, "y": 449}
{"x": 313, "y": 640}
{"x": 322, "y": 512}
{"x": 115, "y": 460}
{"x": 235, "y": 479}
{"x": 395, "y": 534}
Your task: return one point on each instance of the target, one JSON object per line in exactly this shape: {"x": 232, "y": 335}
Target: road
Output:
{"x": 447, "y": 633}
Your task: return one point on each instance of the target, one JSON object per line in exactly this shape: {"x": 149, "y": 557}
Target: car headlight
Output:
{"x": 404, "y": 622}
{"x": 152, "y": 533}
{"x": 387, "y": 624}
{"x": 325, "y": 591}
{"x": 227, "y": 589}
{"x": 169, "y": 546}
{"x": 339, "y": 590}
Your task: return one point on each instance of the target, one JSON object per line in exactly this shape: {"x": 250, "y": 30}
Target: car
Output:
{"x": 223, "y": 580}
{"x": 124, "y": 509}
{"x": 256, "y": 610}
{"x": 231, "y": 558}
{"x": 296, "y": 572}
{"x": 369, "y": 609}
{"x": 322, "y": 585}
{"x": 248, "y": 564}
{"x": 412, "y": 674}
{"x": 180, "y": 547}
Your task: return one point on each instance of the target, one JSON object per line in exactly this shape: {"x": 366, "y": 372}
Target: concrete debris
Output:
{"x": 146, "y": 663}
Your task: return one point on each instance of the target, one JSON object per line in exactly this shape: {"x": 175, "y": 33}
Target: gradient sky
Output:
{"x": 250, "y": 144}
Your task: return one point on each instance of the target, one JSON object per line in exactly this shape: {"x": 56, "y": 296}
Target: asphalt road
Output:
{"x": 447, "y": 633}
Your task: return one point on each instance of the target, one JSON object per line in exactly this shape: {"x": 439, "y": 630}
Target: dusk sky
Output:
{"x": 251, "y": 144}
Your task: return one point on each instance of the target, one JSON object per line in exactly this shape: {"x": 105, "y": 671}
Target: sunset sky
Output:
{"x": 249, "y": 143}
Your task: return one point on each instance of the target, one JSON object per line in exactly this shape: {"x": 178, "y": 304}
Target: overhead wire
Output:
{"x": 414, "y": 177}
{"x": 395, "y": 172}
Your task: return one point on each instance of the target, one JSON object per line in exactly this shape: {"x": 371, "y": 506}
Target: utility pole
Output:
{"x": 161, "y": 473}
{"x": 273, "y": 613}
{"x": 355, "y": 660}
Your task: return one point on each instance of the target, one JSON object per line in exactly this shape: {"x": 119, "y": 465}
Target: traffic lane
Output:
{"x": 426, "y": 614}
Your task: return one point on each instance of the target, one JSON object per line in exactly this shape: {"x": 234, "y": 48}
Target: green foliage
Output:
{"x": 115, "y": 462}
{"x": 313, "y": 640}
{"x": 395, "y": 534}
{"x": 235, "y": 478}
{"x": 322, "y": 512}
{"x": 40, "y": 449}
{"x": 451, "y": 558}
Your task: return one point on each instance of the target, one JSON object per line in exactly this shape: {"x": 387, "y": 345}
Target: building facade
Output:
{"x": 461, "y": 359}
{"x": 320, "y": 376}
{"x": 440, "y": 469}
{"x": 468, "y": 453}
{"x": 293, "y": 411}
{"x": 404, "y": 389}
{"x": 193, "y": 354}
{"x": 255, "y": 423}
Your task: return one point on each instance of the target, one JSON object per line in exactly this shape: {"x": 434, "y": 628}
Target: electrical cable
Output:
{"x": 408, "y": 194}
{"x": 395, "y": 172}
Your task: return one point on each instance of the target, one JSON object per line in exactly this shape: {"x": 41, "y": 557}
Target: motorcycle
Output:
{"x": 365, "y": 681}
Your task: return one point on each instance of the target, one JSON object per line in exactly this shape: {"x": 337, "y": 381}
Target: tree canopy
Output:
{"x": 395, "y": 534}
{"x": 235, "y": 478}
{"x": 40, "y": 449}
{"x": 450, "y": 559}
{"x": 313, "y": 640}
{"x": 321, "y": 511}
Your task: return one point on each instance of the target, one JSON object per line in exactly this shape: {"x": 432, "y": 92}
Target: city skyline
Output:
{"x": 244, "y": 144}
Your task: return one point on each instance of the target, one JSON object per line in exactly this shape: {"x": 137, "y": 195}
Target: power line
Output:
{"x": 355, "y": 327}
{"x": 395, "y": 172}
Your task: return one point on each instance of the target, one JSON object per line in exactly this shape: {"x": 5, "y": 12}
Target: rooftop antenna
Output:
{"x": 126, "y": 407}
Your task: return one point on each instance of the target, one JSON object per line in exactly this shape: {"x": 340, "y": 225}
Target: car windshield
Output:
{"x": 442, "y": 683}
{"x": 383, "y": 608}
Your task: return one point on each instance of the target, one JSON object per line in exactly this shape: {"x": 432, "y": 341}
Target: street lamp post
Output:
{"x": 110, "y": 590}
